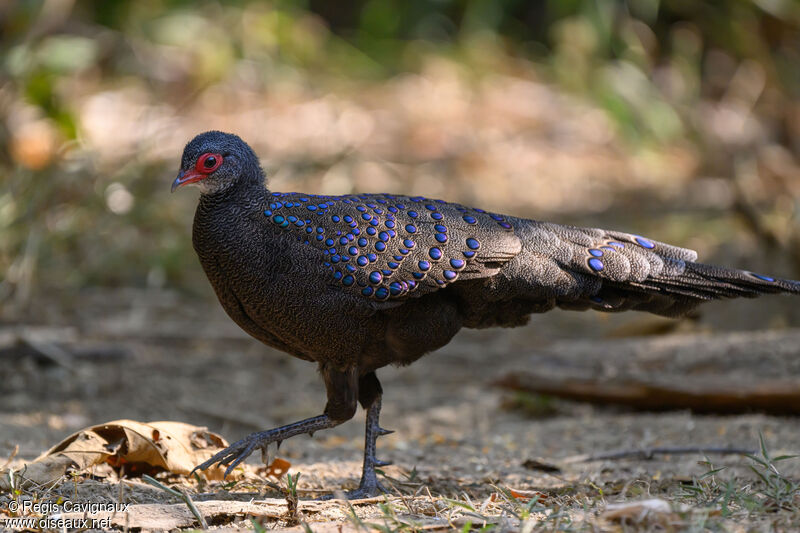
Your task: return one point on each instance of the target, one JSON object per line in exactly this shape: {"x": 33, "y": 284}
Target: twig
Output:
{"x": 648, "y": 453}
{"x": 183, "y": 495}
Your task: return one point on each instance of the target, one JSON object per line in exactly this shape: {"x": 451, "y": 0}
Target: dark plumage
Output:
{"x": 358, "y": 282}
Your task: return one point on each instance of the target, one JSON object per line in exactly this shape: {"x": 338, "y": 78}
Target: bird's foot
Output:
{"x": 240, "y": 450}
{"x": 237, "y": 452}
{"x": 364, "y": 490}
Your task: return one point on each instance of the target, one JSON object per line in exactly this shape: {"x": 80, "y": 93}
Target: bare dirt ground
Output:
{"x": 460, "y": 440}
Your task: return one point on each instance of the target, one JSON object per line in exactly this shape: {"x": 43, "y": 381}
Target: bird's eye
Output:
{"x": 208, "y": 163}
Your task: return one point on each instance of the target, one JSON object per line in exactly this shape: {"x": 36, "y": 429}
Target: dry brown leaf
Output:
{"x": 278, "y": 468}
{"x": 141, "y": 447}
{"x": 37, "y": 473}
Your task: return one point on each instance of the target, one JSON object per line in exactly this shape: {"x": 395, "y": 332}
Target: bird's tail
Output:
{"x": 677, "y": 295}
{"x": 591, "y": 268}
{"x": 633, "y": 272}
{"x": 710, "y": 282}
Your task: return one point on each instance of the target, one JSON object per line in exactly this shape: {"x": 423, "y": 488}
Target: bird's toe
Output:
{"x": 230, "y": 457}
{"x": 362, "y": 492}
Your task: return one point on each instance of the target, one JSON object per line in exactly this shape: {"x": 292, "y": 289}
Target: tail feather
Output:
{"x": 698, "y": 282}
{"x": 744, "y": 279}
{"x": 711, "y": 282}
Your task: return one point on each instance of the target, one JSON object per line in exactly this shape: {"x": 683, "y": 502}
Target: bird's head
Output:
{"x": 215, "y": 161}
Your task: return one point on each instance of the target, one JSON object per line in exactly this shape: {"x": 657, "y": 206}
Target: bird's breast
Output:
{"x": 278, "y": 291}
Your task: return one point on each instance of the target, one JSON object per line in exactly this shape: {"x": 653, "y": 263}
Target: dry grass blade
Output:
{"x": 183, "y": 495}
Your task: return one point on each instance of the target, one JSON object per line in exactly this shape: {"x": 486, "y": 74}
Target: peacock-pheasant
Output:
{"x": 357, "y": 282}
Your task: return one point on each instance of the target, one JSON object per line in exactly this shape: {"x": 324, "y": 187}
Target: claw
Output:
{"x": 382, "y": 432}
{"x": 265, "y": 455}
{"x": 378, "y": 462}
{"x": 278, "y": 445}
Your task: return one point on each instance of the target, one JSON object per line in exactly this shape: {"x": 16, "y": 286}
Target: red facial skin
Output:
{"x": 199, "y": 172}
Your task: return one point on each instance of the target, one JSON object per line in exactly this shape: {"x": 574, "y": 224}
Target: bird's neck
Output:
{"x": 246, "y": 194}
{"x": 224, "y": 217}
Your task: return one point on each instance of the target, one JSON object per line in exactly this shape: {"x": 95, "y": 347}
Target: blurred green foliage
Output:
{"x": 719, "y": 79}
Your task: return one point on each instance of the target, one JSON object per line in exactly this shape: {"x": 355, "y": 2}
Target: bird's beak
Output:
{"x": 186, "y": 177}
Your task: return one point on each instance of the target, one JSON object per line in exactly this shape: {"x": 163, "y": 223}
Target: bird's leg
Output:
{"x": 369, "y": 395}
{"x": 342, "y": 387}
{"x": 370, "y": 486}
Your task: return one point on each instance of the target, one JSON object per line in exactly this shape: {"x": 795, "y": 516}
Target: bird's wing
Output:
{"x": 386, "y": 247}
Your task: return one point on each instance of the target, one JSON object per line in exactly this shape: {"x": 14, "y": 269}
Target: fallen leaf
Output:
{"x": 278, "y": 468}
{"x": 141, "y": 447}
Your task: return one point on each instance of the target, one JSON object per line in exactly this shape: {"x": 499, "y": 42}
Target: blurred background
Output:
{"x": 676, "y": 119}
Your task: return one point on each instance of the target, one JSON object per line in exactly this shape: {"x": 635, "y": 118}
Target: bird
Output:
{"x": 356, "y": 282}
